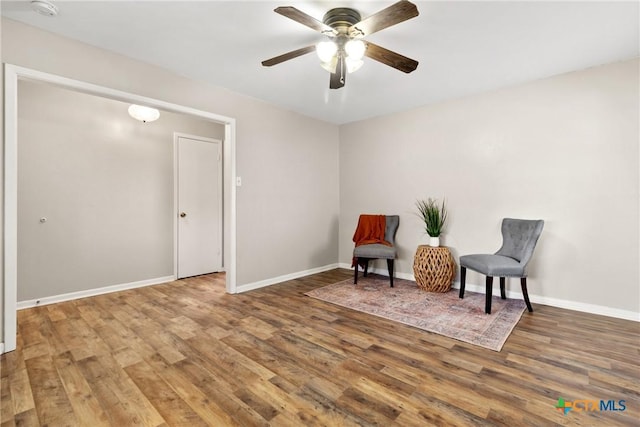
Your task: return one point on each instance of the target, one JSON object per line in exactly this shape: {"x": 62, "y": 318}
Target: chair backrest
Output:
{"x": 392, "y": 222}
{"x": 519, "y": 238}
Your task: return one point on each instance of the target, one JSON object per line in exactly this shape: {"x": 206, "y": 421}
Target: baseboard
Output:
{"x": 92, "y": 292}
{"x": 553, "y": 302}
{"x": 1, "y": 348}
{"x": 280, "y": 279}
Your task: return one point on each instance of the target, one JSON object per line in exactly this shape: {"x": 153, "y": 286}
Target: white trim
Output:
{"x": 10, "y": 210}
{"x": 176, "y": 218}
{"x": 1, "y": 348}
{"x": 92, "y": 292}
{"x": 12, "y": 74}
{"x": 280, "y": 279}
{"x": 553, "y": 302}
{"x": 229, "y": 202}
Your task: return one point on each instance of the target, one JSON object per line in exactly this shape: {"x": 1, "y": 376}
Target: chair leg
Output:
{"x": 503, "y": 293}
{"x": 523, "y": 282}
{"x": 366, "y": 266}
{"x": 463, "y": 275}
{"x": 390, "y": 268}
{"x": 487, "y": 305}
{"x": 355, "y": 274}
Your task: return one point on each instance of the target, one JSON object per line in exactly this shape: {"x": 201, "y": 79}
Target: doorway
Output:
{"x": 198, "y": 175}
{"x": 12, "y": 74}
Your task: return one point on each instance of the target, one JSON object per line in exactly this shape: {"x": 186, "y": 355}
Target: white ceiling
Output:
{"x": 463, "y": 47}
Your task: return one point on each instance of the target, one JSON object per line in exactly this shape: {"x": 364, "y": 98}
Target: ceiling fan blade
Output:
{"x": 390, "y": 58}
{"x": 287, "y": 56}
{"x": 392, "y": 15}
{"x": 304, "y": 19}
{"x": 336, "y": 81}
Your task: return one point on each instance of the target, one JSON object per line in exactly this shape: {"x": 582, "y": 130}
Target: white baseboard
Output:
{"x": 1, "y": 348}
{"x": 279, "y": 279}
{"x": 92, "y": 292}
{"x": 553, "y": 302}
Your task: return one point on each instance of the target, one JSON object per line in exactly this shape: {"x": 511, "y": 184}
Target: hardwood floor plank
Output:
{"x": 51, "y": 400}
{"x": 7, "y": 405}
{"x": 84, "y": 403}
{"x": 187, "y": 353}
{"x": 195, "y": 398}
{"x": 21, "y": 394}
{"x": 170, "y": 406}
{"x": 123, "y": 402}
{"x": 221, "y": 394}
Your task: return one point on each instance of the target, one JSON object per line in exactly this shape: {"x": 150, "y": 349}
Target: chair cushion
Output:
{"x": 493, "y": 265}
{"x": 375, "y": 250}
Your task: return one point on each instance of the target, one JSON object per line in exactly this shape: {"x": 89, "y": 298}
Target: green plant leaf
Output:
{"x": 434, "y": 216}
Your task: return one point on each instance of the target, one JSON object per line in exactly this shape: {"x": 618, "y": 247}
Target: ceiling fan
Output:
{"x": 344, "y": 48}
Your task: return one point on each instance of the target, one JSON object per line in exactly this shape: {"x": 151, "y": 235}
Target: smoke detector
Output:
{"x": 44, "y": 7}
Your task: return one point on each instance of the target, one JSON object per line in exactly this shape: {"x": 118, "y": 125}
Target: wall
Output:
{"x": 104, "y": 181}
{"x": 563, "y": 149}
{"x": 288, "y": 162}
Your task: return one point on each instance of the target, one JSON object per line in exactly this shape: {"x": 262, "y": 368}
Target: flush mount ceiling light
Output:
{"x": 144, "y": 114}
{"x": 344, "y": 50}
{"x": 44, "y": 7}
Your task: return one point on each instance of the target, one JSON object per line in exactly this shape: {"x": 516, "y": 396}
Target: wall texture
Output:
{"x": 563, "y": 149}
{"x": 104, "y": 183}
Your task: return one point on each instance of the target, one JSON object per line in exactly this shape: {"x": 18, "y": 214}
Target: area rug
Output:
{"x": 442, "y": 313}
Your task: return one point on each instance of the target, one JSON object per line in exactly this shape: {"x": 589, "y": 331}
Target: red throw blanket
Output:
{"x": 370, "y": 230}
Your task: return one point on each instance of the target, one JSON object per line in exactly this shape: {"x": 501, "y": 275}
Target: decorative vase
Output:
{"x": 434, "y": 241}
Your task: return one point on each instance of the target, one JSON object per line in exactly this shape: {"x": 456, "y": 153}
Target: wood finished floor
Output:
{"x": 186, "y": 353}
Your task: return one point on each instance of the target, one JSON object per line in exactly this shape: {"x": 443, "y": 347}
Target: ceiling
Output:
{"x": 463, "y": 48}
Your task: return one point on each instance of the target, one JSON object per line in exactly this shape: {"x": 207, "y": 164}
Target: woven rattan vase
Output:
{"x": 434, "y": 268}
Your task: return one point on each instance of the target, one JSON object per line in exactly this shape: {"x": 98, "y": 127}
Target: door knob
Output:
{"x": 183, "y": 214}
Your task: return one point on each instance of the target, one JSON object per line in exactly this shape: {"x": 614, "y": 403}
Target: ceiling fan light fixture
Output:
{"x": 353, "y": 65}
{"x": 144, "y": 114}
{"x": 331, "y": 65}
{"x": 326, "y": 50}
{"x": 343, "y": 49}
{"x": 355, "y": 49}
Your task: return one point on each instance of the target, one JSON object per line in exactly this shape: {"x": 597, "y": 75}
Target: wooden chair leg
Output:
{"x": 390, "y": 268}
{"x": 463, "y": 275}
{"x": 523, "y": 282}
{"x": 355, "y": 274}
{"x": 503, "y": 293}
{"x": 487, "y": 305}
{"x": 366, "y": 266}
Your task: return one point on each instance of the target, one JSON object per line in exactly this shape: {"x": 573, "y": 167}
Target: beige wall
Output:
{"x": 287, "y": 207}
{"x": 563, "y": 149}
{"x": 104, "y": 183}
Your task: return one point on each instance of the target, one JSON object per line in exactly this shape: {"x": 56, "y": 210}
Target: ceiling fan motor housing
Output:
{"x": 341, "y": 18}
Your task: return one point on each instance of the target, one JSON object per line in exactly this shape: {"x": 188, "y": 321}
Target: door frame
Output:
{"x": 14, "y": 73}
{"x": 176, "y": 220}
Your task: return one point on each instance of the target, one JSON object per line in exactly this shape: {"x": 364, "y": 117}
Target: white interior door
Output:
{"x": 199, "y": 215}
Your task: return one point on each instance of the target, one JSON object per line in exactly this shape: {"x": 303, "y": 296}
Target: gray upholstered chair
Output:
{"x": 519, "y": 238}
{"x": 364, "y": 253}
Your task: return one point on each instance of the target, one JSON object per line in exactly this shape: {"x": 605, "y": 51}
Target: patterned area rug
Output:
{"x": 442, "y": 313}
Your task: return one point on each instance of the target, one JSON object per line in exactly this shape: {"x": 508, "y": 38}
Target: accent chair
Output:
{"x": 519, "y": 238}
{"x": 364, "y": 253}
